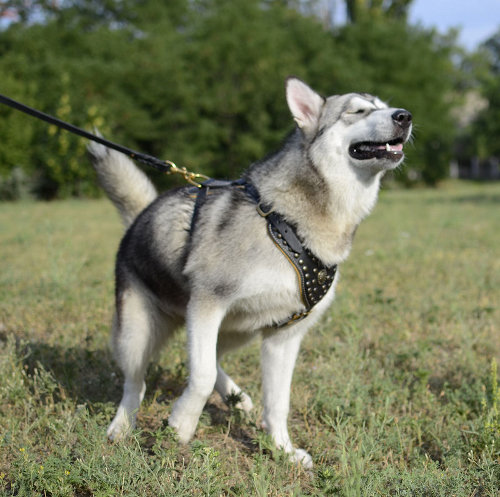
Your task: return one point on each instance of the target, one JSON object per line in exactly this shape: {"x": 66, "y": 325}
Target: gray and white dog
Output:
{"x": 224, "y": 277}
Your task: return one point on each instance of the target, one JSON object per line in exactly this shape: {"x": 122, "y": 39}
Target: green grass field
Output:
{"x": 395, "y": 392}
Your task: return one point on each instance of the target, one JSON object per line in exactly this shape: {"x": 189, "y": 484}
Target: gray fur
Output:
{"x": 228, "y": 282}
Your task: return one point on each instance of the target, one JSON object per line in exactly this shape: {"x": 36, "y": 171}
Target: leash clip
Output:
{"x": 189, "y": 176}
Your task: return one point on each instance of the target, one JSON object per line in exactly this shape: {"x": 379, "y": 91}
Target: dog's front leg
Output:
{"x": 278, "y": 354}
{"x": 203, "y": 321}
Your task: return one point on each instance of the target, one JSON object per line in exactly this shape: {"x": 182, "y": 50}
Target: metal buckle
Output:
{"x": 297, "y": 317}
{"x": 262, "y": 212}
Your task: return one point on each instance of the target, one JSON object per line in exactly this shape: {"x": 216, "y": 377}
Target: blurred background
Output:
{"x": 201, "y": 82}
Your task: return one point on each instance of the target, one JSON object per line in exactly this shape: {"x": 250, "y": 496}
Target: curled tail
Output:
{"x": 127, "y": 186}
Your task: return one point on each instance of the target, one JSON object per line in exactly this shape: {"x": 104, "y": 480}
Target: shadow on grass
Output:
{"x": 92, "y": 377}
{"x": 86, "y": 376}
{"x": 165, "y": 386}
{"x": 238, "y": 430}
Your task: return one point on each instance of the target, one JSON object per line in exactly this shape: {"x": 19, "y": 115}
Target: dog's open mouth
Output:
{"x": 391, "y": 150}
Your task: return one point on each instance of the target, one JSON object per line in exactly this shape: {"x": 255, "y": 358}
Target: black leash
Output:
{"x": 165, "y": 166}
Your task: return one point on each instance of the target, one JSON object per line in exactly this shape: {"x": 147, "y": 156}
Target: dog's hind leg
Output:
{"x": 138, "y": 330}
{"x": 203, "y": 320}
{"x": 225, "y": 384}
{"x": 278, "y": 354}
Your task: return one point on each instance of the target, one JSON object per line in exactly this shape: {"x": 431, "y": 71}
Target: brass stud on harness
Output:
{"x": 322, "y": 277}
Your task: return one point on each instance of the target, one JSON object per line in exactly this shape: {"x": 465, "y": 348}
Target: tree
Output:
{"x": 486, "y": 128}
{"x": 200, "y": 82}
{"x": 24, "y": 12}
{"x": 375, "y": 10}
{"x": 95, "y": 66}
{"x": 240, "y": 53}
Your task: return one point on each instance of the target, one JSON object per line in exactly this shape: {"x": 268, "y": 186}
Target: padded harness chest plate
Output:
{"x": 315, "y": 278}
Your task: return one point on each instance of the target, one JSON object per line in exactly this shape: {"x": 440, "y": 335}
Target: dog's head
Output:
{"x": 357, "y": 126}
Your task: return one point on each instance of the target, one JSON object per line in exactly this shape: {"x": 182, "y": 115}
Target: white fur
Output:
{"x": 126, "y": 185}
{"x": 304, "y": 103}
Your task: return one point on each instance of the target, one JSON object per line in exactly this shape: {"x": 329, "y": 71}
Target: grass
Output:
{"x": 395, "y": 391}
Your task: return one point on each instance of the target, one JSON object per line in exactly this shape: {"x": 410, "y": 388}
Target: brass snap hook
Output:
{"x": 189, "y": 176}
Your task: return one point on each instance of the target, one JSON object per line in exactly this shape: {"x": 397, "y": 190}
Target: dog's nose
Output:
{"x": 402, "y": 117}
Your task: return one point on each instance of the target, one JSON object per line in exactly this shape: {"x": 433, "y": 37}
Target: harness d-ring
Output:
{"x": 262, "y": 212}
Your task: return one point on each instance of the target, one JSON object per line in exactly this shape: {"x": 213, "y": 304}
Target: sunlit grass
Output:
{"x": 394, "y": 391}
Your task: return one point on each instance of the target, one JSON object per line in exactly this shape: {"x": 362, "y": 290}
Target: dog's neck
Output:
{"x": 325, "y": 211}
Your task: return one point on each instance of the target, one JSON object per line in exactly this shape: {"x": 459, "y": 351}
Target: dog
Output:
{"x": 217, "y": 266}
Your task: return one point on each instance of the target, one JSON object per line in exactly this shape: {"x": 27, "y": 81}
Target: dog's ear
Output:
{"x": 304, "y": 104}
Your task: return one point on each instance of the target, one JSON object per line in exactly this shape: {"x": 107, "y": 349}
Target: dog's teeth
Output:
{"x": 387, "y": 147}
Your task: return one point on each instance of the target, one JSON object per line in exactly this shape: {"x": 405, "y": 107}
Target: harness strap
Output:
{"x": 201, "y": 192}
{"x": 315, "y": 278}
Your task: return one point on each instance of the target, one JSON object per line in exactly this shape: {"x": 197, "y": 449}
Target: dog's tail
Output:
{"x": 127, "y": 186}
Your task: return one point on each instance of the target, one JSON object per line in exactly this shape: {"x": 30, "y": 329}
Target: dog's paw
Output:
{"x": 244, "y": 402}
{"x": 300, "y": 456}
{"x": 184, "y": 425}
{"x": 120, "y": 427}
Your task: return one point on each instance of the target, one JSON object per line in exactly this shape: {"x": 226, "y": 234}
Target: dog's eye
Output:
{"x": 357, "y": 111}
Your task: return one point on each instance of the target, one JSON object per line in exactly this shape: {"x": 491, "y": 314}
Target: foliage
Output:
{"x": 25, "y": 12}
{"x": 201, "y": 81}
{"x": 395, "y": 391}
{"x": 486, "y": 128}
{"x": 369, "y": 10}
{"x": 15, "y": 133}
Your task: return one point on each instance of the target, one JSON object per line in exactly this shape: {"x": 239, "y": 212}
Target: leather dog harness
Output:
{"x": 315, "y": 278}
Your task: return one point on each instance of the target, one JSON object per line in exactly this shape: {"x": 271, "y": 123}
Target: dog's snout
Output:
{"x": 402, "y": 117}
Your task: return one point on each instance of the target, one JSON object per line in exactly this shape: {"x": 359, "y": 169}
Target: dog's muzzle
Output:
{"x": 391, "y": 150}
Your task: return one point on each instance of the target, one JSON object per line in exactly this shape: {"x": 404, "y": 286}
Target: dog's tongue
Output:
{"x": 391, "y": 148}
{"x": 394, "y": 148}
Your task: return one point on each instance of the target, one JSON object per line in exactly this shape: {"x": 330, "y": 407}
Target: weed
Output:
{"x": 491, "y": 412}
